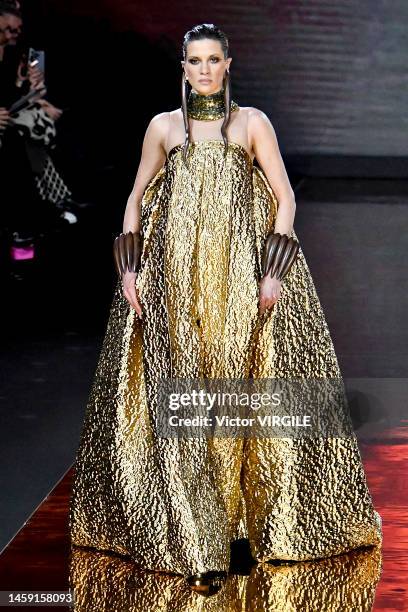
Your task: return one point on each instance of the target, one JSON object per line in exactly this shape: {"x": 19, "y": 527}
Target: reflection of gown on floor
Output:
{"x": 175, "y": 505}
{"x": 337, "y": 584}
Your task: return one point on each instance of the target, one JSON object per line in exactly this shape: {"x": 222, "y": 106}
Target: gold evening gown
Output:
{"x": 176, "y": 504}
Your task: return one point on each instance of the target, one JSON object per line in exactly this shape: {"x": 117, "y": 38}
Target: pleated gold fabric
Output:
{"x": 176, "y": 504}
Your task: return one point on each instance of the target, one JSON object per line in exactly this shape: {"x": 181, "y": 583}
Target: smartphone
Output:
{"x": 37, "y": 58}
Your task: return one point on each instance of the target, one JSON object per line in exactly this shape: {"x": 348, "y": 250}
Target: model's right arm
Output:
{"x": 152, "y": 159}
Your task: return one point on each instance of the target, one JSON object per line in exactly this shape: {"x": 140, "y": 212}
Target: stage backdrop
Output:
{"x": 331, "y": 75}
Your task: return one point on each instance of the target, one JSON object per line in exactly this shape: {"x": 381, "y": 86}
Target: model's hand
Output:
{"x": 130, "y": 291}
{"x": 269, "y": 292}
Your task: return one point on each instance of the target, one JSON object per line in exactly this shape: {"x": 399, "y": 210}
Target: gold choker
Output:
{"x": 208, "y": 108}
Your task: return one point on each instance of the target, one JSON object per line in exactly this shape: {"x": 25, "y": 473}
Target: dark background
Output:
{"x": 332, "y": 78}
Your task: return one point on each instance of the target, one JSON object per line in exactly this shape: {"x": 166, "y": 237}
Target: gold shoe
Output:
{"x": 207, "y": 583}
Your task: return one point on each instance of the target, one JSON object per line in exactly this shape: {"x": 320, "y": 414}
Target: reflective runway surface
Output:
{"x": 39, "y": 558}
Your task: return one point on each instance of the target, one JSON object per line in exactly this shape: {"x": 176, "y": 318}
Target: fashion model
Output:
{"x": 212, "y": 283}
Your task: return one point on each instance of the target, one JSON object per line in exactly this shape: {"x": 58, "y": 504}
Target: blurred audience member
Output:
{"x": 27, "y": 136}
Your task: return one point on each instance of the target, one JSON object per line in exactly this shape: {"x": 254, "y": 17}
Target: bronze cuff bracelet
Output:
{"x": 127, "y": 249}
{"x": 279, "y": 254}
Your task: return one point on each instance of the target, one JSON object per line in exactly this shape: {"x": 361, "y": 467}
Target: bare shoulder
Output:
{"x": 257, "y": 119}
{"x": 176, "y": 113}
{"x": 160, "y": 123}
{"x": 176, "y": 117}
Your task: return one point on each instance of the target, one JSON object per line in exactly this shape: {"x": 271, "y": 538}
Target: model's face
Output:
{"x": 13, "y": 29}
{"x": 205, "y": 65}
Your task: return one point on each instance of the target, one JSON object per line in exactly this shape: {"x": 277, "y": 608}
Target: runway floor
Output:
{"x": 39, "y": 558}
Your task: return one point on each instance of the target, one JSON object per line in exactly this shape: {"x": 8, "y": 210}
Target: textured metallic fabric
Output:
{"x": 176, "y": 504}
{"x": 344, "y": 583}
{"x": 208, "y": 108}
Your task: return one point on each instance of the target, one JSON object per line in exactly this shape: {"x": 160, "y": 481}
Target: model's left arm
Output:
{"x": 262, "y": 137}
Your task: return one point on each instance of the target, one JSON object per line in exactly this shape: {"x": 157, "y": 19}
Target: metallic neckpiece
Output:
{"x": 208, "y": 108}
